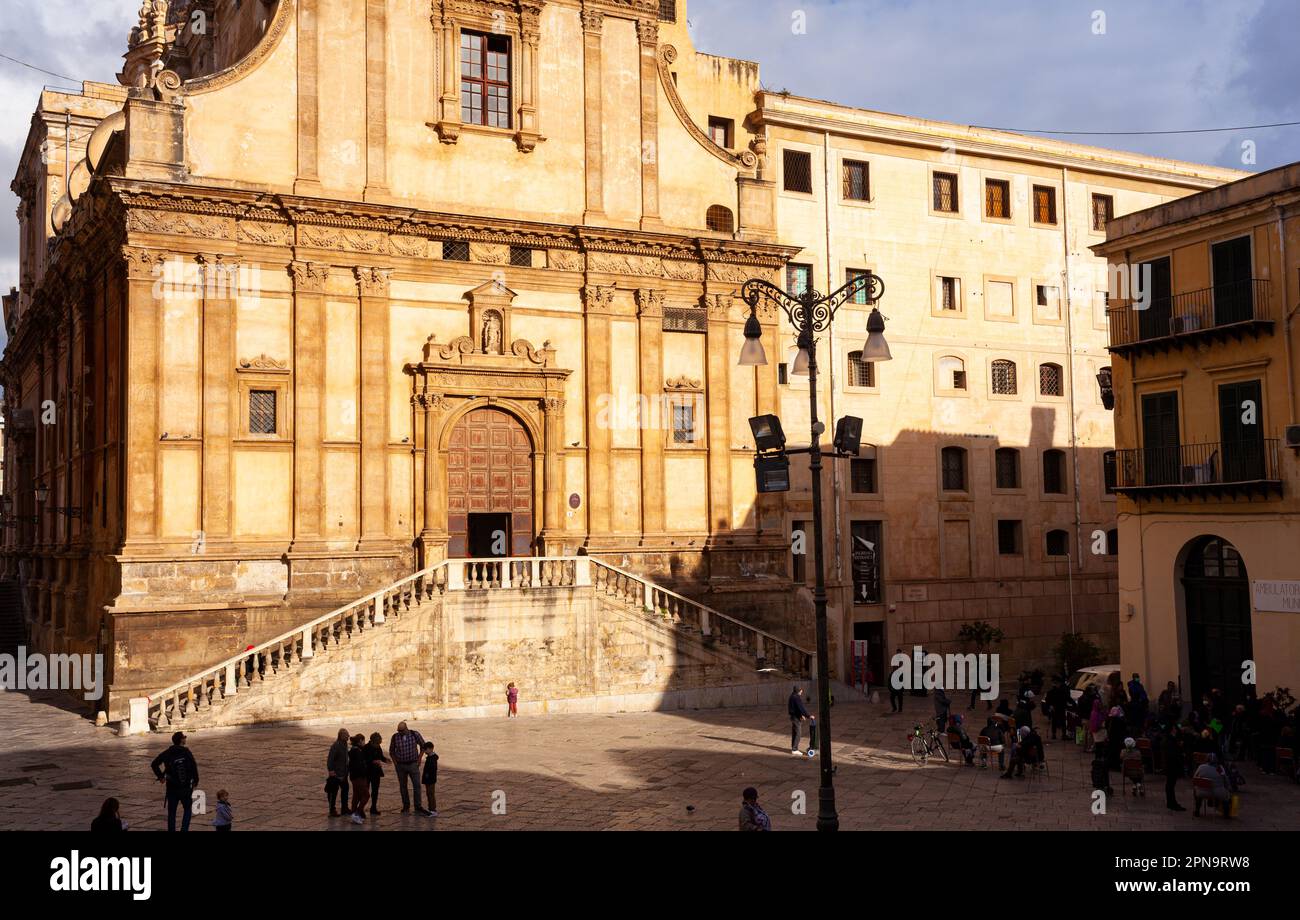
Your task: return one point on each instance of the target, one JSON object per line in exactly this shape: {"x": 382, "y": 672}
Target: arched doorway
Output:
{"x": 489, "y": 486}
{"x": 1216, "y": 594}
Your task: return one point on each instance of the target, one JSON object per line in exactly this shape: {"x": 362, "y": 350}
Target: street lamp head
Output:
{"x": 876, "y": 349}
{"x": 751, "y": 353}
{"x": 800, "y": 366}
{"x": 42, "y": 493}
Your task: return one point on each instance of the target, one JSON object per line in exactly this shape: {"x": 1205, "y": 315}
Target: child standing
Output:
{"x": 430, "y": 777}
{"x": 225, "y": 819}
{"x": 512, "y": 698}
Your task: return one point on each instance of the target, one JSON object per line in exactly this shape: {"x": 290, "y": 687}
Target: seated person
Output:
{"x": 1220, "y": 792}
{"x": 967, "y": 748}
{"x": 1131, "y": 764}
{"x": 1028, "y": 750}
{"x": 994, "y": 732}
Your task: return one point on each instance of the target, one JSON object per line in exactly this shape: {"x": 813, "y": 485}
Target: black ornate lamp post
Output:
{"x": 810, "y": 314}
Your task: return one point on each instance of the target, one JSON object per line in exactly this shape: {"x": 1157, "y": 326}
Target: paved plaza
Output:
{"x": 632, "y": 771}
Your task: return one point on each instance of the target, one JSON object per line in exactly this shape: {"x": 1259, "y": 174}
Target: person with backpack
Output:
{"x": 177, "y": 768}
{"x": 752, "y": 815}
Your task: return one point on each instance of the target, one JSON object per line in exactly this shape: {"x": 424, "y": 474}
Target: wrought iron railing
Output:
{"x": 1186, "y": 465}
{"x": 1190, "y": 313}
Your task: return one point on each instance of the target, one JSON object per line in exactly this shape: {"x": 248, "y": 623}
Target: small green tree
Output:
{"x": 980, "y": 634}
{"x": 1076, "y": 651}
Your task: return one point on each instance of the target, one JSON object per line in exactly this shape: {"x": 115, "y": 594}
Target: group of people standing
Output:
{"x": 357, "y": 763}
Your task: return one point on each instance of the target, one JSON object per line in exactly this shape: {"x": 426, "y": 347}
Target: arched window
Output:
{"x": 952, "y": 373}
{"x": 1051, "y": 381}
{"x": 1058, "y": 543}
{"x": 861, "y": 373}
{"x": 1004, "y": 377}
{"x": 1054, "y": 472}
{"x": 1007, "y": 467}
{"x": 1214, "y": 559}
{"x": 954, "y": 469}
{"x": 719, "y": 219}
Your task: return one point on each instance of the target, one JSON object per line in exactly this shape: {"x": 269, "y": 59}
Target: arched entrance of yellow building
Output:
{"x": 490, "y": 461}
{"x": 1216, "y": 598}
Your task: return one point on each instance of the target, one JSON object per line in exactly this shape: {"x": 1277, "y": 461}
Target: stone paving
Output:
{"x": 633, "y": 771}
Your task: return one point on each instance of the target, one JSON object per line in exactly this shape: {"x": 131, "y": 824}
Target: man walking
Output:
{"x": 404, "y": 748}
{"x": 336, "y": 767}
{"x": 895, "y": 693}
{"x": 177, "y": 768}
{"x": 798, "y": 715}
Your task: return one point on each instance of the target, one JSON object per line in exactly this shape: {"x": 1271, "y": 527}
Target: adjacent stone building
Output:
{"x": 1204, "y": 344}
{"x": 327, "y": 291}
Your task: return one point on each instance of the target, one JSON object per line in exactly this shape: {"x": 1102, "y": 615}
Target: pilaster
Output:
{"x": 592, "y": 22}
{"x": 308, "y": 404}
{"x": 372, "y": 287}
{"x": 650, "y": 313}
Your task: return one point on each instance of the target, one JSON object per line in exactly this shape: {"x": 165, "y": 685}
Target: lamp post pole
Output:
{"x": 810, "y": 313}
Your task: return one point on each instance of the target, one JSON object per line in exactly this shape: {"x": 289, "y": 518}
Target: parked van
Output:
{"x": 1096, "y": 676}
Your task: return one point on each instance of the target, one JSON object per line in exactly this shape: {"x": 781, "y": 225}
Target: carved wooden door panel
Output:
{"x": 489, "y": 471}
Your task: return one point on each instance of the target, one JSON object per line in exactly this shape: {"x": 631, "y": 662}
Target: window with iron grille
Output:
{"x": 261, "y": 412}
{"x": 455, "y": 251}
{"x": 997, "y": 198}
{"x": 1006, "y": 464}
{"x": 1109, "y": 471}
{"x": 798, "y": 278}
{"x": 685, "y": 319}
{"x": 954, "y": 469}
{"x": 1058, "y": 543}
{"x": 719, "y": 219}
{"x": 1050, "y": 380}
{"x": 950, "y": 294}
{"x": 861, "y": 373}
{"x": 1044, "y": 204}
{"x": 798, "y": 171}
{"x": 485, "y": 79}
{"x": 1054, "y": 472}
{"x": 860, "y": 294}
{"x": 521, "y": 257}
{"x": 1103, "y": 209}
{"x": 683, "y": 423}
{"x": 862, "y": 473}
{"x": 1009, "y": 538}
{"x": 668, "y": 10}
{"x": 1004, "y": 377}
{"x": 721, "y": 131}
{"x": 857, "y": 180}
{"x": 945, "y": 192}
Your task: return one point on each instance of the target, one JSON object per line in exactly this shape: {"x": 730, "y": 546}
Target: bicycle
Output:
{"x": 925, "y": 742}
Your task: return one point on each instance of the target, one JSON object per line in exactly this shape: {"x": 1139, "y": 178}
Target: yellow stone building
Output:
{"x": 1205, "y": 399}
{"x": 326, "y": 292}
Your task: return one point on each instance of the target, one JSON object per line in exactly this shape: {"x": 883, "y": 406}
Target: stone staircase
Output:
{"x": 718, "y": 644}
{"x": 13, "y": 625}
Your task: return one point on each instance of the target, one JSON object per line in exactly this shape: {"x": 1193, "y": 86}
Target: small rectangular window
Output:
{"x": 860, "y": 294}
{"x": 950, "y": 294}
{"x": 863, "y": 475}
{"x": 798, "y": 278}
{"x": 261, "y": 411}
{"x": 1047, "y": 298}
{"x": 685, "y": 319}
{"x": 857, "y": 181}
{"x": 1009, "y": 538}
{"x": 798, "y": 171}
{"x": 721, "y": 131}
{"x": 783, "y": 373}
{"x": 521, "y": 257}
{"x": 1007, "y": 462}
{"x": 1058, "y": 543}
{"x": 1044, "y": 204}
{"x": 997, "y": 198}
{"x": 1103, "y": 209}
{"x": 861, "y": 373}
{"x": 668, "y": 10}
{"x": 683, "y": 423}
{"x": 455, "y": 251}
{"x": 945, "y": 192}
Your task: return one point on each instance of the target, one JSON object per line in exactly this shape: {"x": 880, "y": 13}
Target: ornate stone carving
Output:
{"x": 431, "y": 402}
{"x": 553, "y": 406}
{"x": 172, "y": 224}
{"x": 265, "y": 234}
{"x": 285, "y": 14}
{"x": 489, "y": 253}
{"x": 263, "y": 362}
{"x": 683, "y": 271}
{"x": 564, "y": 260}
{"x": 592, "y": 19}
{"x": 141, "y": 264}
{"x": 729, "y": 274}
{"x": 413, "y": 246}
{"x": 598, "y": 299}
{"x": 309, "y": 277}
{"x": 492, "y": 332}
{"x": 683, "y": 383}
{"x": 647, "y": 31}
{"x": 372, "y": 282}
{"x": 649, "y": 302}
{"x": 718, "y": 305}
{"x": 368, "y": 241}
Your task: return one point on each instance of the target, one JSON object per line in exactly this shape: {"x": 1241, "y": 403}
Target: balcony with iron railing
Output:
{"x": 1224, "y": 311}
{"x": 1216, "y": 469}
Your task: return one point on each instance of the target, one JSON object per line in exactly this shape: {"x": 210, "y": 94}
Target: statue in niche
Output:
{"x": 492, "y": 333}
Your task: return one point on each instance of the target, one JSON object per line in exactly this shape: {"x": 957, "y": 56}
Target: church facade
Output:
{"x": 336, "y": 290}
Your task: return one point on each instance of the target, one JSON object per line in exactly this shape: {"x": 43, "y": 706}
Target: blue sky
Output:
{"x": 1159, "y": 65}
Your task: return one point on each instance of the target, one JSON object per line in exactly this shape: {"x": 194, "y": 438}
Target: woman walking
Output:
{"x": 359, "y": 774}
